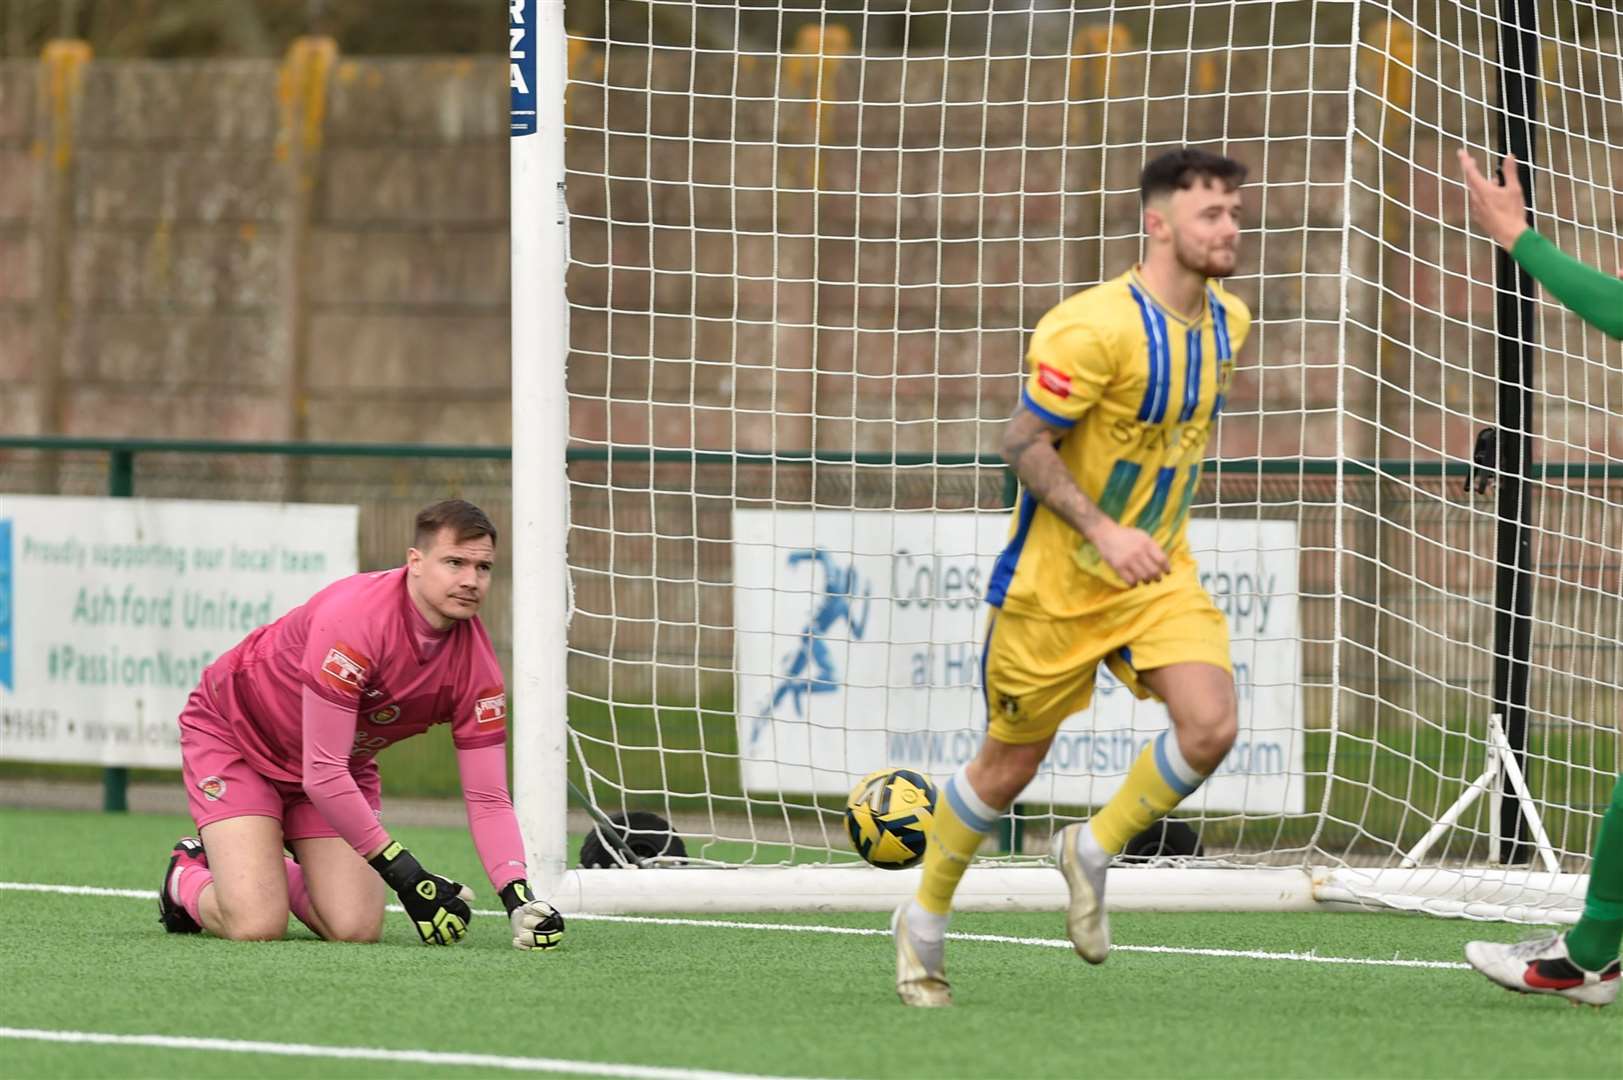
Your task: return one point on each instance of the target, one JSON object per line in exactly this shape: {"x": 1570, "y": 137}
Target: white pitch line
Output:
{"x": 78, "y": 890}
{"x": 1051, "y": 943}
{"x": 855, "y": 931}
{"x": 367, "y": 1053}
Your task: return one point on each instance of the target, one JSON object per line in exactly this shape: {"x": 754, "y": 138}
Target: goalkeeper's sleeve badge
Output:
{"x": 536, "y": 923}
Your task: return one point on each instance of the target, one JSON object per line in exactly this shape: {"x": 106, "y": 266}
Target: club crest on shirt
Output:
{"x": 490, "y": 708}
{"x": 1053, "y": 380}
{"x": 212, "y": 787}
{"x": 345, "y": 667}
{"x": 386, "y": 715}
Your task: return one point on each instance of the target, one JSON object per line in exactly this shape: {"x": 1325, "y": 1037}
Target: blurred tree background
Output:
{"x": 164, "y": 29}
{"x": 248, "y": 28}
{"x": 228, "y": 28}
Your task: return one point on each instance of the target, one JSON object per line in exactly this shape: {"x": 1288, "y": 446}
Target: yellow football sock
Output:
{"x": 1159, "y": 780}
{"x": 959, "y": 822}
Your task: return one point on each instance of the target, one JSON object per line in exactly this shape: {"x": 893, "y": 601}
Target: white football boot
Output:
{"x": 921, "y": 973}
{"x": 1087, "y": 923}
{"x": 1542, "y": 966}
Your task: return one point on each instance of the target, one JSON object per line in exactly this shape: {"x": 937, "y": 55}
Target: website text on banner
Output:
{"x": 858, "y": 646}
{"x": 110, "y": 609}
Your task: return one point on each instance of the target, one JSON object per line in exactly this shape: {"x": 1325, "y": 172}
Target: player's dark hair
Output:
{"x": 465, "y": 520}
{"x": 1180, "y": 170}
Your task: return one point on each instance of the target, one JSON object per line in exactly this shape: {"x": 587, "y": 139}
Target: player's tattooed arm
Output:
{"x": 1028, "y": 446}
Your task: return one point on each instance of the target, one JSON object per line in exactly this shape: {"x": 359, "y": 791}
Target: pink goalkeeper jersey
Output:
{"x": 313, "y": 696}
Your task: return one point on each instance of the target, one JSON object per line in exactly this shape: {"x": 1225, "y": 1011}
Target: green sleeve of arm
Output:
{"x": 1594, "y": 296}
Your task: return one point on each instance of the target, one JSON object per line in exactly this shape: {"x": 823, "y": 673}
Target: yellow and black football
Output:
{"x": 888, "y": 817}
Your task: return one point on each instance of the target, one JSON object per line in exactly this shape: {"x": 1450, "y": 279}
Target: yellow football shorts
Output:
{"x": 1038, "y": 671}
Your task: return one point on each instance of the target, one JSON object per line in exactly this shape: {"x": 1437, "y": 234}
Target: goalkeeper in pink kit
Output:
{"x": 279, "y": 743}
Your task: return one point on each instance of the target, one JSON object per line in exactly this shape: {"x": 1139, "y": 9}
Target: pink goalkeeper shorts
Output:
{"x": 221, "y": 784}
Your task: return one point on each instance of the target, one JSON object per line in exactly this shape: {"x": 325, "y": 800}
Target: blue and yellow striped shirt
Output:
{"x": 1137, "y": 388}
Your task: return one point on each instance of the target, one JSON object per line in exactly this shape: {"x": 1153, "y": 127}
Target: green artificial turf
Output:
{"x": 748, "y": 1000}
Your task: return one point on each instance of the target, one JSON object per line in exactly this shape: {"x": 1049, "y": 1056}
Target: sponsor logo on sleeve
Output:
{"x": 490, "y": 708}
{"x": 1053, "y": 380}
{"x": 345, "y": 668}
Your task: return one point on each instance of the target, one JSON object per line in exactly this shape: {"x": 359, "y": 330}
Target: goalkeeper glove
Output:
{"x": 536, "y": 923}
{"x": 438, "y": 907}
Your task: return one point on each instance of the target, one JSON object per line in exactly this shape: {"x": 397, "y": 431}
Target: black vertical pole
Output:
{"x": 1513, "y": 587}
{"x": 115, "y": 781}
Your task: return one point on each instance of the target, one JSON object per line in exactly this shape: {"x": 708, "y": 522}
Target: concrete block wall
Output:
{"x": 318, "y": 249}
{"x": 791, "y": 254}
{"x": 315, "y": 249}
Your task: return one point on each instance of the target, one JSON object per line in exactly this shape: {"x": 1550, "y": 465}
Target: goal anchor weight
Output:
{"x": 1501, "y": 763}
{"x": 628, "y": 840}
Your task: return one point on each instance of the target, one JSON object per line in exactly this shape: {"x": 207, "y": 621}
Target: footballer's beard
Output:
{"x": 1206, "y": 263}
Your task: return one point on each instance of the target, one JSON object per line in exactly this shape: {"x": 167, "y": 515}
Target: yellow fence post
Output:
{"x": 812, "y": 66}
{"x": 302, "y": 89}
{"x": 1093, "y": 52}
{"x": 1386, "y": 60}
{"x": 579, "y": 55}
{"x": 61, "y": 91}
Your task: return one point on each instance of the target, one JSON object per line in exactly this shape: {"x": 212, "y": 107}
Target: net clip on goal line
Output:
{"x": 1500, "y": 764}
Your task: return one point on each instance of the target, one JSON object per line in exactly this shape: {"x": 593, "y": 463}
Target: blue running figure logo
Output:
{"x": 840, "y": 585}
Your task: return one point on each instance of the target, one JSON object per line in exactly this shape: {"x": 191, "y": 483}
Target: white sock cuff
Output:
{"x": 1088, "y": 847}
{"x": 970, "y": 807}
{"x": 1175, "y": 769}
{"x": 926, "y": 925}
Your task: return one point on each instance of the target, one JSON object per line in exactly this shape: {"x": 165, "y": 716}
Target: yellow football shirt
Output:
{"x": 1136, "y": 388}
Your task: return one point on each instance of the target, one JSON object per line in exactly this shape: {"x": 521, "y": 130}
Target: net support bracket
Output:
{"x": 1501, "y": 764}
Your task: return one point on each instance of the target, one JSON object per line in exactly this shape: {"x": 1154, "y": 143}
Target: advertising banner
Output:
{"x": 110, "y": 609}
{"x": 858, "y": 647}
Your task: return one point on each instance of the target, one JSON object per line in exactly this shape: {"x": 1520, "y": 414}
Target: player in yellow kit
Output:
{"x": 1124, "y": 383}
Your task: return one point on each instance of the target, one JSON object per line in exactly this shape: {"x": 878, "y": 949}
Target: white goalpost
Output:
{"x": 539, "y": 253}
{"x": 774, "y": 268}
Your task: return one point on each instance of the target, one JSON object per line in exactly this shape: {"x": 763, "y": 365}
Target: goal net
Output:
{"x": 804, "y": 249}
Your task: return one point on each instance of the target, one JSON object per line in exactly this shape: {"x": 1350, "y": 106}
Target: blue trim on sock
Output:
{"x": 1164, "y": 767}
{"x": 965, "y": 814}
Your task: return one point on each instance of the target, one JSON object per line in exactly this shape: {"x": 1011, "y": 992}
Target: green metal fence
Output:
{"x": 389, "y": 482}
{"x": 1393, "y": 512}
